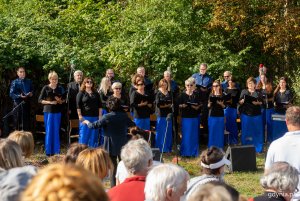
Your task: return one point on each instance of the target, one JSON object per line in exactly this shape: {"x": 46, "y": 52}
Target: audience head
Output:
{"x": 25, "y": 140}
{"x": 213, "y": 161}
{"x": 203, "y": 68}
{"x": 292, "y": 118}
{"x": 166, "y": 182}
{"x": 73, "y": 152}
{"x": 78, "y": 74}
{"x": 210, "y": 192}
{"x": 137, "y": 157}
{"x": 281, "y": 178}
{"x": 64, "y": 182}
{"x": 138, "y": 133}
{"x": 88, "y": 81}
{"x": 10, "y": 154}
{"x": 95, "y": 160}
{"x": 113, "y": 104}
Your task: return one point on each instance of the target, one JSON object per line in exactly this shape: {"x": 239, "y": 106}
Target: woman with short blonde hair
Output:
{"x": 95, "y": 160}
{"x": 25, "y": 140}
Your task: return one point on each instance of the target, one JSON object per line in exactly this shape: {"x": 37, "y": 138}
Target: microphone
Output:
{"x": 169, "y": 116}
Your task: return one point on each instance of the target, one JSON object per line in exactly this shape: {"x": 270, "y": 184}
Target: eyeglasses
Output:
{"x": 189, "y": 85}
{"x": 140, "y": 84}
{"x": 226, "y": 76}
{"x": 117, "y": 88}
{"x": 89, "y": 82}
{"x": 216, "y": 85}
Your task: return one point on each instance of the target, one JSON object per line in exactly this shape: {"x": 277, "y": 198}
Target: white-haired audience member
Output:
{"x": 287, "y": 148}
{"x": 210, "y": 192}
{"x": 137, "y": 158}
{"x": 166, "y": 182}
{"x": 279, "y": 181}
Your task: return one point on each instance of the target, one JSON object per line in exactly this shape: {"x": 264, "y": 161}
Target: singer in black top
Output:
{"x": 117, "y": 93}
{"x": 73, "y": 89}
{"x": 251, "y": 118}
{"x": 230, "y": 112}
{"x": 282, "y": 100}
{"x": 21, "y": 91}
{"x": 115, "y": 125}
{"x": 163, "y": 103}
{"x": 141, "y": 103}
{"x": 216, "y": 116}
{"x": 88, "y": 108}
{"x": 52, "y": 97}
{"x": 105, "y": 91}
{"x": 189, "y": 106}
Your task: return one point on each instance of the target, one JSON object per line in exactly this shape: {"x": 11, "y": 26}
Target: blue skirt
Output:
{"x": 143, "y": 123}
{"x": 161, "y": 126}
{"x": 52, "y": 126}
{"x": 190, "y": 137}
{"x": 279, "y": 128}
{"x": 252, "y": 131}
{"x": 231, "y": 125}
{"x": 269, "y": 113}
{"x": 216, "y": 131}
{"x": 87, "y": 135}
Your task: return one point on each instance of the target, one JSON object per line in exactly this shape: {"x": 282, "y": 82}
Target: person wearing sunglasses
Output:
{"x": 189, "y": 104}
{"x": 88, "y": 108}
{"x": 141, "y": 104}
{"x": 216, "y": 116}
{"x": 251, "y": 117}
{"x": 117, "y": 93}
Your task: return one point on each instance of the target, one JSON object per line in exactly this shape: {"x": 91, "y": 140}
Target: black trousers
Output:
{"x": 114, "y": 160}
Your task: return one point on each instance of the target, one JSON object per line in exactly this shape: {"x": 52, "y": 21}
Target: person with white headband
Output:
{"x": 212, "y": 163}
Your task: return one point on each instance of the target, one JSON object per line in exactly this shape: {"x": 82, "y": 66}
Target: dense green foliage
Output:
{"x": 231, "y": 35}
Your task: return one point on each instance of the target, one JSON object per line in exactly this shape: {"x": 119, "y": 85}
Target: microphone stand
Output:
{"x": 165, "y": 136}
{"x": 13, "y": 111}
{"x": 68, "y": 103}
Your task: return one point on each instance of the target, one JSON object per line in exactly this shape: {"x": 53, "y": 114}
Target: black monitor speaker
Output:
{"x": 243, "y": 158}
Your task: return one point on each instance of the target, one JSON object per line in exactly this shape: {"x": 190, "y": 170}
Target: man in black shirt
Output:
{"x": 73, "y": 89}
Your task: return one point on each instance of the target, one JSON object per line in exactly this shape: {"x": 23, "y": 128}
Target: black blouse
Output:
{"x": 104, "y": 98}
{"x": 49, "y": 94}
{"x": 143, "y": 111}
{"x": 88, "y": 103}
{"x": 216, "y": 110}
{"x": 249, "y": 108}
{"x": 161, "y": 100}
{"x": 235, "y": 96}
{"x": 281, "y": 100}
{"x": 194, "y": 99}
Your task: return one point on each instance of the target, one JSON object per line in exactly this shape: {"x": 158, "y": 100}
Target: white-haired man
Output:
{"x": 137, "y": 158}
{"x": 166, "y": 182}
{"x": 287, "y": 148}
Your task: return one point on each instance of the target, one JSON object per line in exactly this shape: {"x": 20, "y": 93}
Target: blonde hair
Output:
{"x": 52, "y": 74}
{"x": 65, "y": 182}
{"x": 105, "y": 85}
{"x": 10, "y": 154}
{"x": 25, "y": 140}
{"x": 116, "y": 85}
{"x": 95, "y": 160}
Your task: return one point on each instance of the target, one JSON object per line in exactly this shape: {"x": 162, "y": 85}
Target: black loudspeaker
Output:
{"x": 243, "y": 158}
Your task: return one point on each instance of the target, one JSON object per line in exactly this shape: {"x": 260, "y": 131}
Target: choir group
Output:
{"x": 210, "y": 104}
